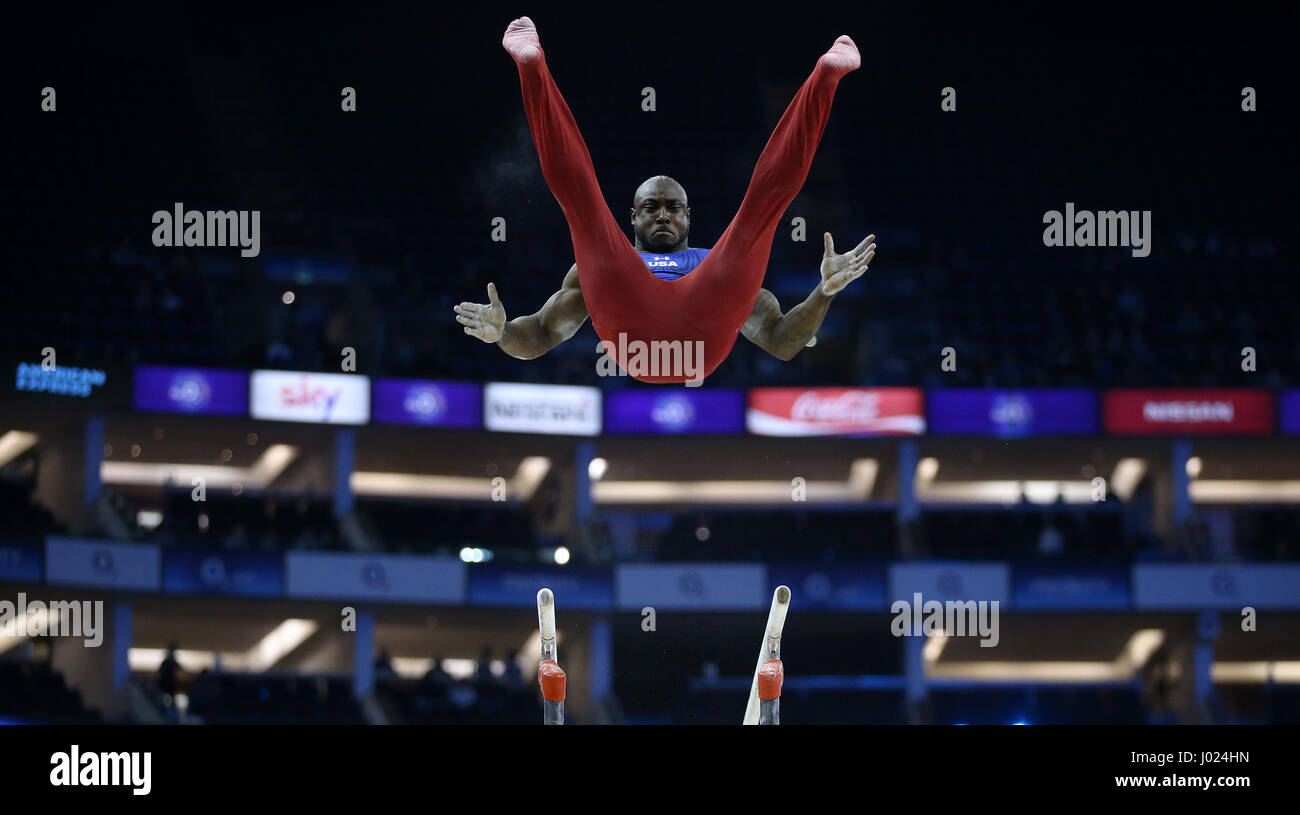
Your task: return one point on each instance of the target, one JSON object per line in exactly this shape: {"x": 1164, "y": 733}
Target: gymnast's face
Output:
{"x": 661, "y": 218}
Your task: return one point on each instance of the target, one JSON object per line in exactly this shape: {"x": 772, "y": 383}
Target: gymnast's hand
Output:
{"x": 485, "y": 321}
{"x": 839, "y": 271}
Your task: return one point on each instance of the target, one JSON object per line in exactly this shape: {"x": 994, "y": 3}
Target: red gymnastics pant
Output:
{"x": 709, "y": 305}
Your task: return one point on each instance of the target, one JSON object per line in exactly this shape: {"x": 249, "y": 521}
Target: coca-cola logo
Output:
{"x": 847, "y": 407}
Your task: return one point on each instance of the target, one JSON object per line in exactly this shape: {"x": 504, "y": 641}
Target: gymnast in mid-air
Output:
{"x": 661, "y": 290}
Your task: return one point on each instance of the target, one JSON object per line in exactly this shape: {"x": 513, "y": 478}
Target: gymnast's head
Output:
{"x": 661, "y": 219}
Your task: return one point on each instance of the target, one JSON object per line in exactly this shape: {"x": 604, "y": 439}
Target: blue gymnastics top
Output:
{"x": 673, "y": 266}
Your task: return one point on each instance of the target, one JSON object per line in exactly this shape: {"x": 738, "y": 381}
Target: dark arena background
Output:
{"x": 304, "y": 495}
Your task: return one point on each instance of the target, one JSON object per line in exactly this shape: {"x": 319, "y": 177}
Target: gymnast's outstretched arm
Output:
{"x": 784, "y": 335}
{"x": 531, "y": 336}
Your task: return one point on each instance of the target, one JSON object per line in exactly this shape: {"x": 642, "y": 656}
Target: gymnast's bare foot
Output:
{"x": 522, "y": 43}
{"x": 843, "y": 56}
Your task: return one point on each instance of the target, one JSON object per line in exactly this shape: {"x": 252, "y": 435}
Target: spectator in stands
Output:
{"x": 169, "y": 673}
{"x": 514, "y": 676}
{"x": 205, "y": 694}
{"x": 384, "y": 665}
{"x": 437, "y": 675}
{"x": 237, "y": 539}
{"x": 278, "y": 352}
{"x": 1050, "y": 541}
{"x": 484, "y": 673}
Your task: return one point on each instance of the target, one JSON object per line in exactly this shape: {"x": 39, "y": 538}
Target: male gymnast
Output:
{"x": 661, "y": 290}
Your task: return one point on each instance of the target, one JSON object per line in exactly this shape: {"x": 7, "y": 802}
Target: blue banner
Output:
{"x": 20, "y": 563}
{"x": 1067, "y": 588}
{"x": 1012, "y": 413}
{"x": 204, "y": 391}
{"x": 1230, "y": 587}
{"x": 660, "y": 411}
{"x": 950, "y": 580}
{"x": 248, "y": 574}
{"x": 832, "y": 586}
{"x": 692, "y": 586}
{"x": 1289, "y": 411}
{"x": 82, "y": 562}
{"x": 427, "y": 403}
{"x": 517, "y": 586}
{"x": 385, "y": 578}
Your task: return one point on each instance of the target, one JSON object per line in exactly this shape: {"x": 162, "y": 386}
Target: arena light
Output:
{"x": 274, "y": 646}
{"x": 14, "y": 443}
{"x": 862, "y": 476}
{"x": 148, "y": 660}
{"x": 1045, "y": 672}
{"x": 279, "y": 643}
{"x": 411, "y": 485}
{"x": 1257, "y": 672}
{"x": 460, "y": 669}
{"x": 148, "y": 518}
{"x": 857, "y": 487}
{"x": 692, "y": 492}
{"x": 411, "y": 667}
{"x": 1006, "y": 492}
{"x": 1126, "y": 476}
{"x": 527, "y": 478}
{"x": 1244, "y": 491}
{"x": 261, "y": 473}
{"x": 971, "y": 492}
{"x": 1123, "y": 668}
{"x": 934, "y": 646}
{"x": 1041, "y": 492}
{"x": 1141, "y": 646}
{"x": 926, "y": 469}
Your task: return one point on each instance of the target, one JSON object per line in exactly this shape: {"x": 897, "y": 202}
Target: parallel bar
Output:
{"x": 771, "y": 648}
{"x": 550, "y": 676}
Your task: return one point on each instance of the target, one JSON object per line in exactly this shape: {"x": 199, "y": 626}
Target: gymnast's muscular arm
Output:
{"x": 531, "y": 336}
{"x": 784, "y": 335}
